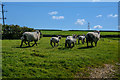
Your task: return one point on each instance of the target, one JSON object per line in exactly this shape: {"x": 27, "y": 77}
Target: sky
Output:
{"x": 63, "y": 15}
{"x": 60, "y": 0}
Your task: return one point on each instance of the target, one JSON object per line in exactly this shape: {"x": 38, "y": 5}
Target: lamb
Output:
{"x": 70, "y": 40}
{"x": 82, "y": 38}
{"x": 29, "y": 37}
{"x": 92, "y": 37}
{"x": 69, "y": 36}
{"x": 55, "y": 40}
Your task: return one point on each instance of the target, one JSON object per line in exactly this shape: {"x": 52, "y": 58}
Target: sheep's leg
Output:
{"x": 34, "y": 43}
{"x": 87, "y": 43}
{"x": 69, "y": 45}
{"x": 29, "y": 44}
{"x": 91, "y": 43}
{"x": 25, "y": 42}
{"x": 73, "y": 44}
{"x": 95, "y": 43}
{"x": 78, "y": 41}
{"x": 58, "y": 44}
{"x": 65, "y": 44}
{"x": 82, "y": 41}
{"x": 54, "y": 44}
{"x": 51, "y": 43}
{"x": 21, "y": 43}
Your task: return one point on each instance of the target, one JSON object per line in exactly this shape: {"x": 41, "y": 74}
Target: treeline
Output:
{"x": 14, "y": 31}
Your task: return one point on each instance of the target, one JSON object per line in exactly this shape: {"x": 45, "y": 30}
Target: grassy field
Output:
{"x": 74, "y": 32}
{"x": 43, "y": 61}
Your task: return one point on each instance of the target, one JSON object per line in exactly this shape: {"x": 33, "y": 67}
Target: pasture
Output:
{"x": 43, "y": 61}
{"x": 75, "y": 32}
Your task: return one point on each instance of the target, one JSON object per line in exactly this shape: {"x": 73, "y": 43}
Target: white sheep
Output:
{"x": 92, "y": 37}
{"x": 82, "y": 38}
{"x": 29, "y": 37}
{"x": 69, "y": 36}
{"x": 70, "y": 40}
{"x": 55, "y": 40}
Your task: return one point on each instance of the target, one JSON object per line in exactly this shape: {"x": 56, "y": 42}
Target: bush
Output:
{"x": 14, "y": 31}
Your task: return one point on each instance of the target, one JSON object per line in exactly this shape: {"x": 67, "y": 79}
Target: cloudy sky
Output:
{"x": 63, "y": 15}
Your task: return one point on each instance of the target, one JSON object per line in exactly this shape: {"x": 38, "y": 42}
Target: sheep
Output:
{"x": 70, "y": 40}
{"x": 82, "y": 38}
{"x": 92, "y": 37}
{"x": 69, "y": 36}
{"x": 29, "y": 37}
{"x": 55, "y": 40}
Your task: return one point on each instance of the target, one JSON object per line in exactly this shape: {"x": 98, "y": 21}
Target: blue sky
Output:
{"x": 60, "y": 0}
{"x": 63, "y": 15}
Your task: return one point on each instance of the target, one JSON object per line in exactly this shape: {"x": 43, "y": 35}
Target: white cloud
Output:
{"x": 96, "y": 0}
{"x": 80, "y": 21}
{"x": 98, "y": 26}
{"x": 114, "y": 16}
{"x": 57, "y": 17}
{"x": 99, "y": 16}
{"x": 53, "y": 13}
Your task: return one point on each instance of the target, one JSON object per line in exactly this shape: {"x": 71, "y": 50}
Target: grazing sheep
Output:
{"x": 69, "y": 36}
{"x": 92, "y": 37}
{"x": 55, "y": 40}
{"x": 29, "y": 37}
{"x": 82, "y": 38}
{"x": 70, "y": 40}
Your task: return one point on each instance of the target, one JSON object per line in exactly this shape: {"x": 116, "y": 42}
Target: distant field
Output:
{"x": 43, "y": 61}
{"x": 74, "y": 32}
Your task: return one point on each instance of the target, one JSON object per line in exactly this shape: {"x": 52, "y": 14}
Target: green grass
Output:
{"x": 74, "y": 32}
{"x": 43, "y": 61}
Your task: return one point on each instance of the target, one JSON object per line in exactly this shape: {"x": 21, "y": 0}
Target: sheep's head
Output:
{"x": 74, "y": 36}
{"x": 59, "y": 37}
{"x": 37, "y": 31}
{"x": 97, "y": 32}
{"x": 40, "y": 34}
{"x": 78, "y": 35}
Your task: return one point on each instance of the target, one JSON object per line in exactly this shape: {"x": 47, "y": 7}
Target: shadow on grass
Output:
{"x": 86, "y": 47}
{"x": 38, "y": 55}
{"x": 24, "y": 47}
{"x": 115, "y": 39}
{"x": 64, "y": 48}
